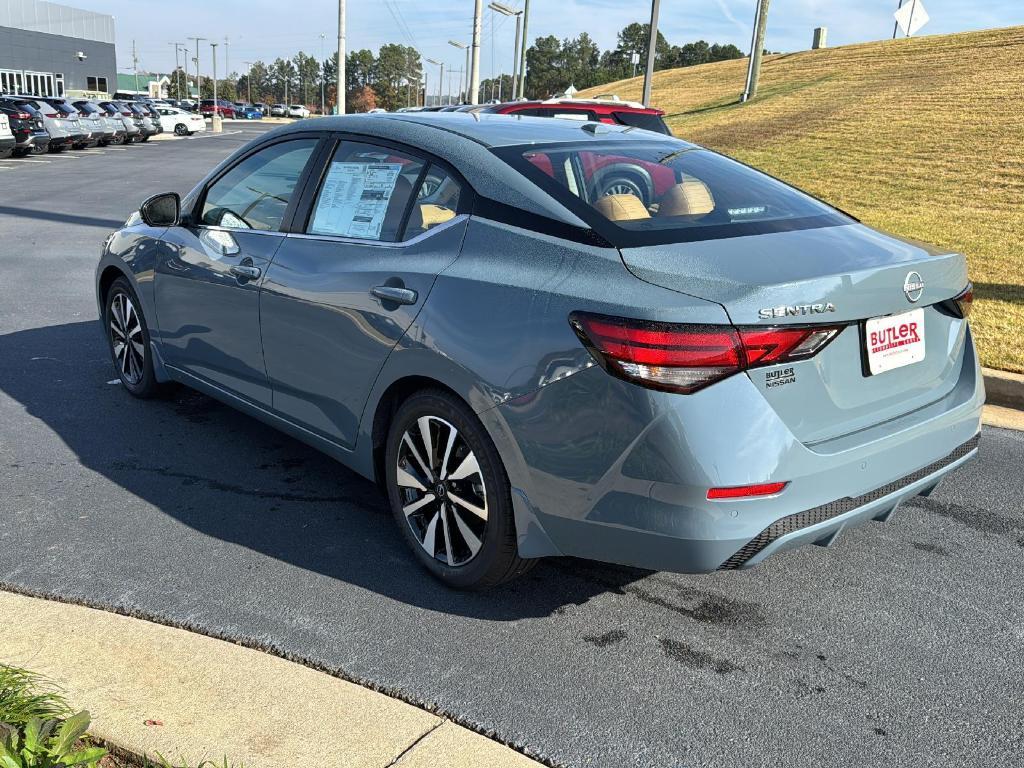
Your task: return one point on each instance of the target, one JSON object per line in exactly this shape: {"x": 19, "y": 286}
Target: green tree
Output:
{"x": 307, "y": 70}
{"x": 634, "y": 38}
{"x": 180, "y": 84}
{"x": 581, "y": 59}
{"x": 283, "y": 80}
{"x": 544, "y": 75}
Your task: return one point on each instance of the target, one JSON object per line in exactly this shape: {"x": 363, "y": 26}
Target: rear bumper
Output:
{"x": 606, "y": 470}
{"x": 7, "y": 145}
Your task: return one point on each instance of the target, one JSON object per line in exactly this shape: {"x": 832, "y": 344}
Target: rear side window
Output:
{"x": 437, "y": 201}
{"x": 255, "y": 193}
{"x": 645, "y": 120}
{"x": 367, "y": 193}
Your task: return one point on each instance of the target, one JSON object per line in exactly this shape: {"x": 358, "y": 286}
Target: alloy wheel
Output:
{"x": 126, "y": 338}
{"x": 442, "y": 491}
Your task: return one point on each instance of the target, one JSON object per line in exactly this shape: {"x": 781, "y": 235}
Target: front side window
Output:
{"x": 256, "y": 192}
{"x": 672, "y": 189}
{"x": 367, "y": 193}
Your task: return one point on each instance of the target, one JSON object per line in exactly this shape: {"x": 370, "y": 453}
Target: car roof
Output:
{"x": 489, "y": 130}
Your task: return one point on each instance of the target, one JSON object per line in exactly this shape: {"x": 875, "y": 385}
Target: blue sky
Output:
{"x": 265, "y": 29}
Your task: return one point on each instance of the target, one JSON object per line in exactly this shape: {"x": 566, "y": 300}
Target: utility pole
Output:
{"x": 473, "y": 80}
{"x": 515, "y": 57}
{"x": 199, "y": 78}
{"x": 521, "y": 91}
{"x": 652, "y": 52}
{"x": 756, "y": 50}
{"x": 227, "y": 65}
{"x": 341, "y": 57}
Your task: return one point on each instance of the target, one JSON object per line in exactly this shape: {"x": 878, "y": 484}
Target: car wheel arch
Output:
{"x": 391, "y": 399}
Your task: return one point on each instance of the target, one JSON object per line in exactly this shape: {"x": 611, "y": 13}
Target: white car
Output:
{"x": 181, "y": 122}
{"x": 297, "y": 110}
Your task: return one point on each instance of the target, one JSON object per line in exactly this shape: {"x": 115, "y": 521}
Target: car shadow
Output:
{"x": 229, "y": 476}
{"x": 1009, "y": 292}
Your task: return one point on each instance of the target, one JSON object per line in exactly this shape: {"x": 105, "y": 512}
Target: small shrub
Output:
{"x": 48, "y": 744}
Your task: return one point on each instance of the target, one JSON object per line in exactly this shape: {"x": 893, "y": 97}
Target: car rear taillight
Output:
{"x": 23, "y": 115}
{"x": 51, "y": 114}
{"x": 685, "y": 358}
{"x": 961, "y": 304}
{"x": 746, "y": 491}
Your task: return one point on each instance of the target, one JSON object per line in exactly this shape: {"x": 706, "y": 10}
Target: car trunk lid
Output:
{"x": 835, "y": 275}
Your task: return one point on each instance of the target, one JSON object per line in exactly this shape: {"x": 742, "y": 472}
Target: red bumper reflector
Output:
{"x": 746, "y": 491}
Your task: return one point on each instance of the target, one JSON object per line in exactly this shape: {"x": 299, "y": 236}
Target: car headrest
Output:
{"x": 432, "y": 215}
{"x": 621, "y": 207}
{"x": 688, "y": 198}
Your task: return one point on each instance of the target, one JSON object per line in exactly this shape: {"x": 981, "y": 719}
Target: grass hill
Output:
{"x": 923, "y": 137}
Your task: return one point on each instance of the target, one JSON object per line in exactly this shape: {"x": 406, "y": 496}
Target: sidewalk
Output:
{"x": 207, "y": 699}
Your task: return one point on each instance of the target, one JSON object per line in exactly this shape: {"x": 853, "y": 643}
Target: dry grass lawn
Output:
{"x": 923, "y": 137}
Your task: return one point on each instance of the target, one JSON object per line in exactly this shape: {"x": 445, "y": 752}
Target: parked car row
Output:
{"x": 39, "y": 124}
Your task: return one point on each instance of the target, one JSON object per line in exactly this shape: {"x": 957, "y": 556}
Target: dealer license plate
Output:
{"x": 894, "y": 341}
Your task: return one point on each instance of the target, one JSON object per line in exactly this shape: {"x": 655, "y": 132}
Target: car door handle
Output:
{"x": 246, "y": 272}
{"x": 395, "y": 294}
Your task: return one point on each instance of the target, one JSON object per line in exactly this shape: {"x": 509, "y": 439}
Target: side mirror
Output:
{"x": 163, "y": 210}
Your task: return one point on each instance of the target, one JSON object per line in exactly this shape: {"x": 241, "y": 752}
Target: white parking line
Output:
{"x": 21, "y": 160}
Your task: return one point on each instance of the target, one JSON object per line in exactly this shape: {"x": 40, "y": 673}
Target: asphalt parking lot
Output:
{"x": 900, "y": 645}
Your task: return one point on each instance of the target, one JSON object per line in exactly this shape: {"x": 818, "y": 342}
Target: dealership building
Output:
{"x": 48, "y": 49}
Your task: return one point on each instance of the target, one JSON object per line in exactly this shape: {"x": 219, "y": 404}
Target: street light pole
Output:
{"x": 504, "y": 10}
{"x": 248, "y": 82}
{"x": 341, "y": 57}
{"x": 216, "y": 119}
{"x": 464, "y": 47}
{"x": 440, "y": 82}
{"x": 323, "y": 99}
{"x": 652, "y": 51}
{"x": 199, "y": 77}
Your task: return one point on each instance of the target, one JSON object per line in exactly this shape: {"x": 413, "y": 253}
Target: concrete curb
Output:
{"x": 156, "y": 689}
{"x": 1004, "y": 388}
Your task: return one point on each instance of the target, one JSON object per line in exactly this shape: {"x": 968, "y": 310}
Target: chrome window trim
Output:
{"x": 459, "y": 217}
{"x": 274, "y": 232}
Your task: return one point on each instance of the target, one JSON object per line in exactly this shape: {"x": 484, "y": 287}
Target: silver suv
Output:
{"x": 63, "y": 131}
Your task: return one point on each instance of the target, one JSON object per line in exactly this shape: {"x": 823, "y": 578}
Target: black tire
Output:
{"x": 145, "y": 385}
{"x": 145, "y": 138}
{"x": 180, "y": 130}
{"x": 57, "y": 150}
{"x": 497, "y": 559}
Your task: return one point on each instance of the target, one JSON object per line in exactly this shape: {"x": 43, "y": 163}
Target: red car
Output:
{"x": 611, "y": 110}
{"x": 607, "y": 174}
{"x": 222, "y": 107}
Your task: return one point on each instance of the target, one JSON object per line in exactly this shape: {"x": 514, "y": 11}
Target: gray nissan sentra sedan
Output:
{"x": 542, "y": 337}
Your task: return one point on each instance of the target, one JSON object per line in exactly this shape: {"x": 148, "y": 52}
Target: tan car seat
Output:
{"x": 688, "y": 198}
{"x": 621, "y": 208}
{"x": 432, "y": 214}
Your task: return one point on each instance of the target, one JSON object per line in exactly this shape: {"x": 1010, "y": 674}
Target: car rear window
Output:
{"x": 645, "y": 120}
{"x": 667, "y": 191}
